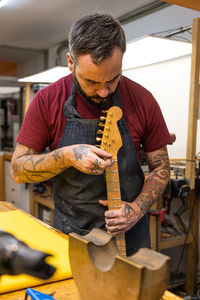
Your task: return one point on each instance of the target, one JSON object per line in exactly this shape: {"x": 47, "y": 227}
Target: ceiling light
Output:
{"x": 47, "y": 76}
{"x": 3, "y": 2}
{"x": 151, "y": 49}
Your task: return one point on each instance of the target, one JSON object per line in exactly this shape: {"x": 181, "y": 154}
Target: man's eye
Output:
{"x": 92, "y": 83}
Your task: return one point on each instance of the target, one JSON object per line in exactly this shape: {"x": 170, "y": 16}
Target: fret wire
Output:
{"x": 112, "y": 180}
{"x": 115, "y": 190}
{"x": 120, "y": 238}
{"x": 115, "y": 206}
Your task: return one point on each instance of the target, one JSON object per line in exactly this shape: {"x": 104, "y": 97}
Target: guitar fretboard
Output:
{"x": 114, "y": 199}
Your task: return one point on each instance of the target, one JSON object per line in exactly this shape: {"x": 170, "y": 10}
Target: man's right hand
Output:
{"x": 90, "y": 159}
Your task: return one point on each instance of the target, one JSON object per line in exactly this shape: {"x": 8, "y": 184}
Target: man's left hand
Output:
{"x": 121, "y": 220}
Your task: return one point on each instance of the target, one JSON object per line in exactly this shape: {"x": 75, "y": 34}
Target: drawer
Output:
{"x": 7, "y": 167}
{"x": 11, "y": 183}
{"x": 13, "y": 195}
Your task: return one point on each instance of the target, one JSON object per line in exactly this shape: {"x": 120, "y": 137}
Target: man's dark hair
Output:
{"x": 96, "y": 34}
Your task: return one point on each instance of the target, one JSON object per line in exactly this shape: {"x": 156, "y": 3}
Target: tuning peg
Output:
{"x": 106, "y": 135}
{"x": 99, "y": 131}
{"x": 109, "y": 121}
{"x": 102, "y": 118}
{"x": 108, "y": 128}
{"x": 101, "y": 124}
{"x": 105, "y": 142}
{"x": 110, "y": 114}
{"x": 104, "y": 111}
{"x": 98, "y": 139}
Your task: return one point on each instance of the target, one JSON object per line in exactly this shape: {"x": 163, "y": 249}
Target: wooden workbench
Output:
{"x": 64, "y": 289}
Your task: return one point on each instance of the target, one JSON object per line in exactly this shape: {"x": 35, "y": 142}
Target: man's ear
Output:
{"x": 70, "y": 62}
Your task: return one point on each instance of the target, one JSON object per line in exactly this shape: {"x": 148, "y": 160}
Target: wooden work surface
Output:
{"x": 60, "y": 290}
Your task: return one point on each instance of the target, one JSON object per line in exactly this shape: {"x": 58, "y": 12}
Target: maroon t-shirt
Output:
{"x": 44, "y": 122}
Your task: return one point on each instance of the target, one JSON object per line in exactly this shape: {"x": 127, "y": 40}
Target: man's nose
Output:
{"x": 103, "y": 92}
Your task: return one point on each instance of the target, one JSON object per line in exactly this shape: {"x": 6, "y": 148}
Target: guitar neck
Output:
{"x": 114, "y": 199}
{"x": 113, "y": 187}
{"x": 111, "y": 142}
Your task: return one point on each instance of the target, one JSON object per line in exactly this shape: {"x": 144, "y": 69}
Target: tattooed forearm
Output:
{"x": 30, "y": 166}
{"x": 157, "y": 180}
{"x": 57, "y": 155}
{"x": 32, "y": 169}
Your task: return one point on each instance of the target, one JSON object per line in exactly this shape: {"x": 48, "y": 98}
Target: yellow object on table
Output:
{"x": 39, "y": 237}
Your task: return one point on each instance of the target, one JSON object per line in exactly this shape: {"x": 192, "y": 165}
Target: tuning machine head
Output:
{"x": 98, "y": 139}
{"x": 102, "y": 119}
{"x": 99, "y": 131}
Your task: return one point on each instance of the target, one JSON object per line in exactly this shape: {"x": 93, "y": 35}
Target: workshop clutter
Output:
{"x": 44, "y": 190}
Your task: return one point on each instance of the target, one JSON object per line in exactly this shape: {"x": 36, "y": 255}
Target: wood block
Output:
{"x": 100, "y": 273}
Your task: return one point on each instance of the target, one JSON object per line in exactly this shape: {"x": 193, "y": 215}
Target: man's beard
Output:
{"x": 104, "y": 102}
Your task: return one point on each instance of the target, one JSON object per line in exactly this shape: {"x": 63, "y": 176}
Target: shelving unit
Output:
{"x": 37, "y": 202}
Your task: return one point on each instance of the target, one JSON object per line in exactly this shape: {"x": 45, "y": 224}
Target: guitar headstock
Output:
{"x": 110, "y": 136}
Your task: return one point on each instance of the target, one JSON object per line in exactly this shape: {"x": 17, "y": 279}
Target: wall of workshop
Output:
{"x": 169, "y": 82}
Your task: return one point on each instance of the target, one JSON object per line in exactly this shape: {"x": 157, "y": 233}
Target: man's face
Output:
{"x": 97, "y": 83}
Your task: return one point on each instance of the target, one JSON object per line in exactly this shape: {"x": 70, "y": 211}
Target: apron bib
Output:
{"x": 76, "y": 194}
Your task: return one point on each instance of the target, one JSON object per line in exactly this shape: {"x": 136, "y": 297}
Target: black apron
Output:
{"x": 76, "y": 194}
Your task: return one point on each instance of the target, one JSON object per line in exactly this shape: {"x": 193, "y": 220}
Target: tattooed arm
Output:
{"x": 118, "y": 221}
{"x": 28, "y": 165}
{"x": 156, "y": 181}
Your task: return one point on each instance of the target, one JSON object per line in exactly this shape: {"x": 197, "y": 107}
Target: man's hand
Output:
{"x": 121, "y": 220}
{"x": 90, "y": 159}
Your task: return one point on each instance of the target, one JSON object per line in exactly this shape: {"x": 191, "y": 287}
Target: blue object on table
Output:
{"x": 35, "y": 295}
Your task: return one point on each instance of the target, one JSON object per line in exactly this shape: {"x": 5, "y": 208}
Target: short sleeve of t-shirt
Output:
{"x": 144, "y": 118}
{"x": 34, "y": 132}
{"x": 44, "y": 121}
{"x": 156, "y": 134}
